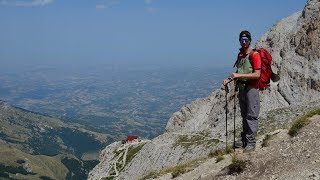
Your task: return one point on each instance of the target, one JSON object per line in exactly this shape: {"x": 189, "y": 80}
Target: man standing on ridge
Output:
{"x": 246, "y": 78}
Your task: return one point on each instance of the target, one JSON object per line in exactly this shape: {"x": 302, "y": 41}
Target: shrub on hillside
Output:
{"x": 302, "y": 121}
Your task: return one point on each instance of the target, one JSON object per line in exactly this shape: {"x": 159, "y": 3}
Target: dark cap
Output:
{"x": 245, "y": 34}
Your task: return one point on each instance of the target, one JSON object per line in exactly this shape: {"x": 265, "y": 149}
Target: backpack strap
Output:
{"x": 253, "y": 52}
{"x": 237, "y": 61}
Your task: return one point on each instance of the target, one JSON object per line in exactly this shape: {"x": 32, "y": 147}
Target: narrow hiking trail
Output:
{"x": 122, "y": 157}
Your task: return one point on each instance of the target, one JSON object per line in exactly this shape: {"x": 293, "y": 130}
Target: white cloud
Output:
{"x": 148, "y": 1}
{"x": 107, "y": 4}
{"x": 149, "y": 6}
{"x": 25, "y": 3}
{"x": 33, "y": 3}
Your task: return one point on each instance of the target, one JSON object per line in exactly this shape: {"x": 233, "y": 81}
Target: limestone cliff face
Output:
{"x": 199, "y": 127}
{"x": 295, "y": 47}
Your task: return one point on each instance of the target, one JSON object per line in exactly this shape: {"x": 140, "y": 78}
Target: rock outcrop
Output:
{"x": 199, "y": 127}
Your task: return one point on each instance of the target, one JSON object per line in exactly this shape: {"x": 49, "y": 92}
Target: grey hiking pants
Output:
{"x": 249, "y": 101}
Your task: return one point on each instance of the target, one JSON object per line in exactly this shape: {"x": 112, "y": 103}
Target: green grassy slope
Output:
{"x": 51, "y": 147}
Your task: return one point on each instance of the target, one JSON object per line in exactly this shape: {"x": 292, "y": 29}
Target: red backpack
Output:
{"x": 266, "y": 71}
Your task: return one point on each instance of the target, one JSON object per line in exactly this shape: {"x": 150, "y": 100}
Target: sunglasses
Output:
{"x": 244, "y": 39}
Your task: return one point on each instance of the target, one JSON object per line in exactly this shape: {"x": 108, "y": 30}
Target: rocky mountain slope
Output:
{"x": 278, "y": 156}
{"x": 199, "y": 128}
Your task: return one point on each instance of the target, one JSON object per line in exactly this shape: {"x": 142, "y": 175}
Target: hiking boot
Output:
{"x": 239, "y": 144}
{"x": 249, "y": 148}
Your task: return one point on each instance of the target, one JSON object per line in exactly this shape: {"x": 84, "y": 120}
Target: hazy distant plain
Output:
{"x": 115, "y": 99}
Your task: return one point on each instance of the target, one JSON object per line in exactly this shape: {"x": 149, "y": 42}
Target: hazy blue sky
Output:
{"x": 177, "y": 32}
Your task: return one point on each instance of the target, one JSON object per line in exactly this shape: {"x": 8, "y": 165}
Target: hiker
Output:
{"x": 246, "y": 78}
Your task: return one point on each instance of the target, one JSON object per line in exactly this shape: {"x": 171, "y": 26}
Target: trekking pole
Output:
{"x": 227, "y": 91}
{"x": 234, "y": 119}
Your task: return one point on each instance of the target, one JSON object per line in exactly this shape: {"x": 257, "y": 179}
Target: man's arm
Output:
{"x": 254, "y": 75}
